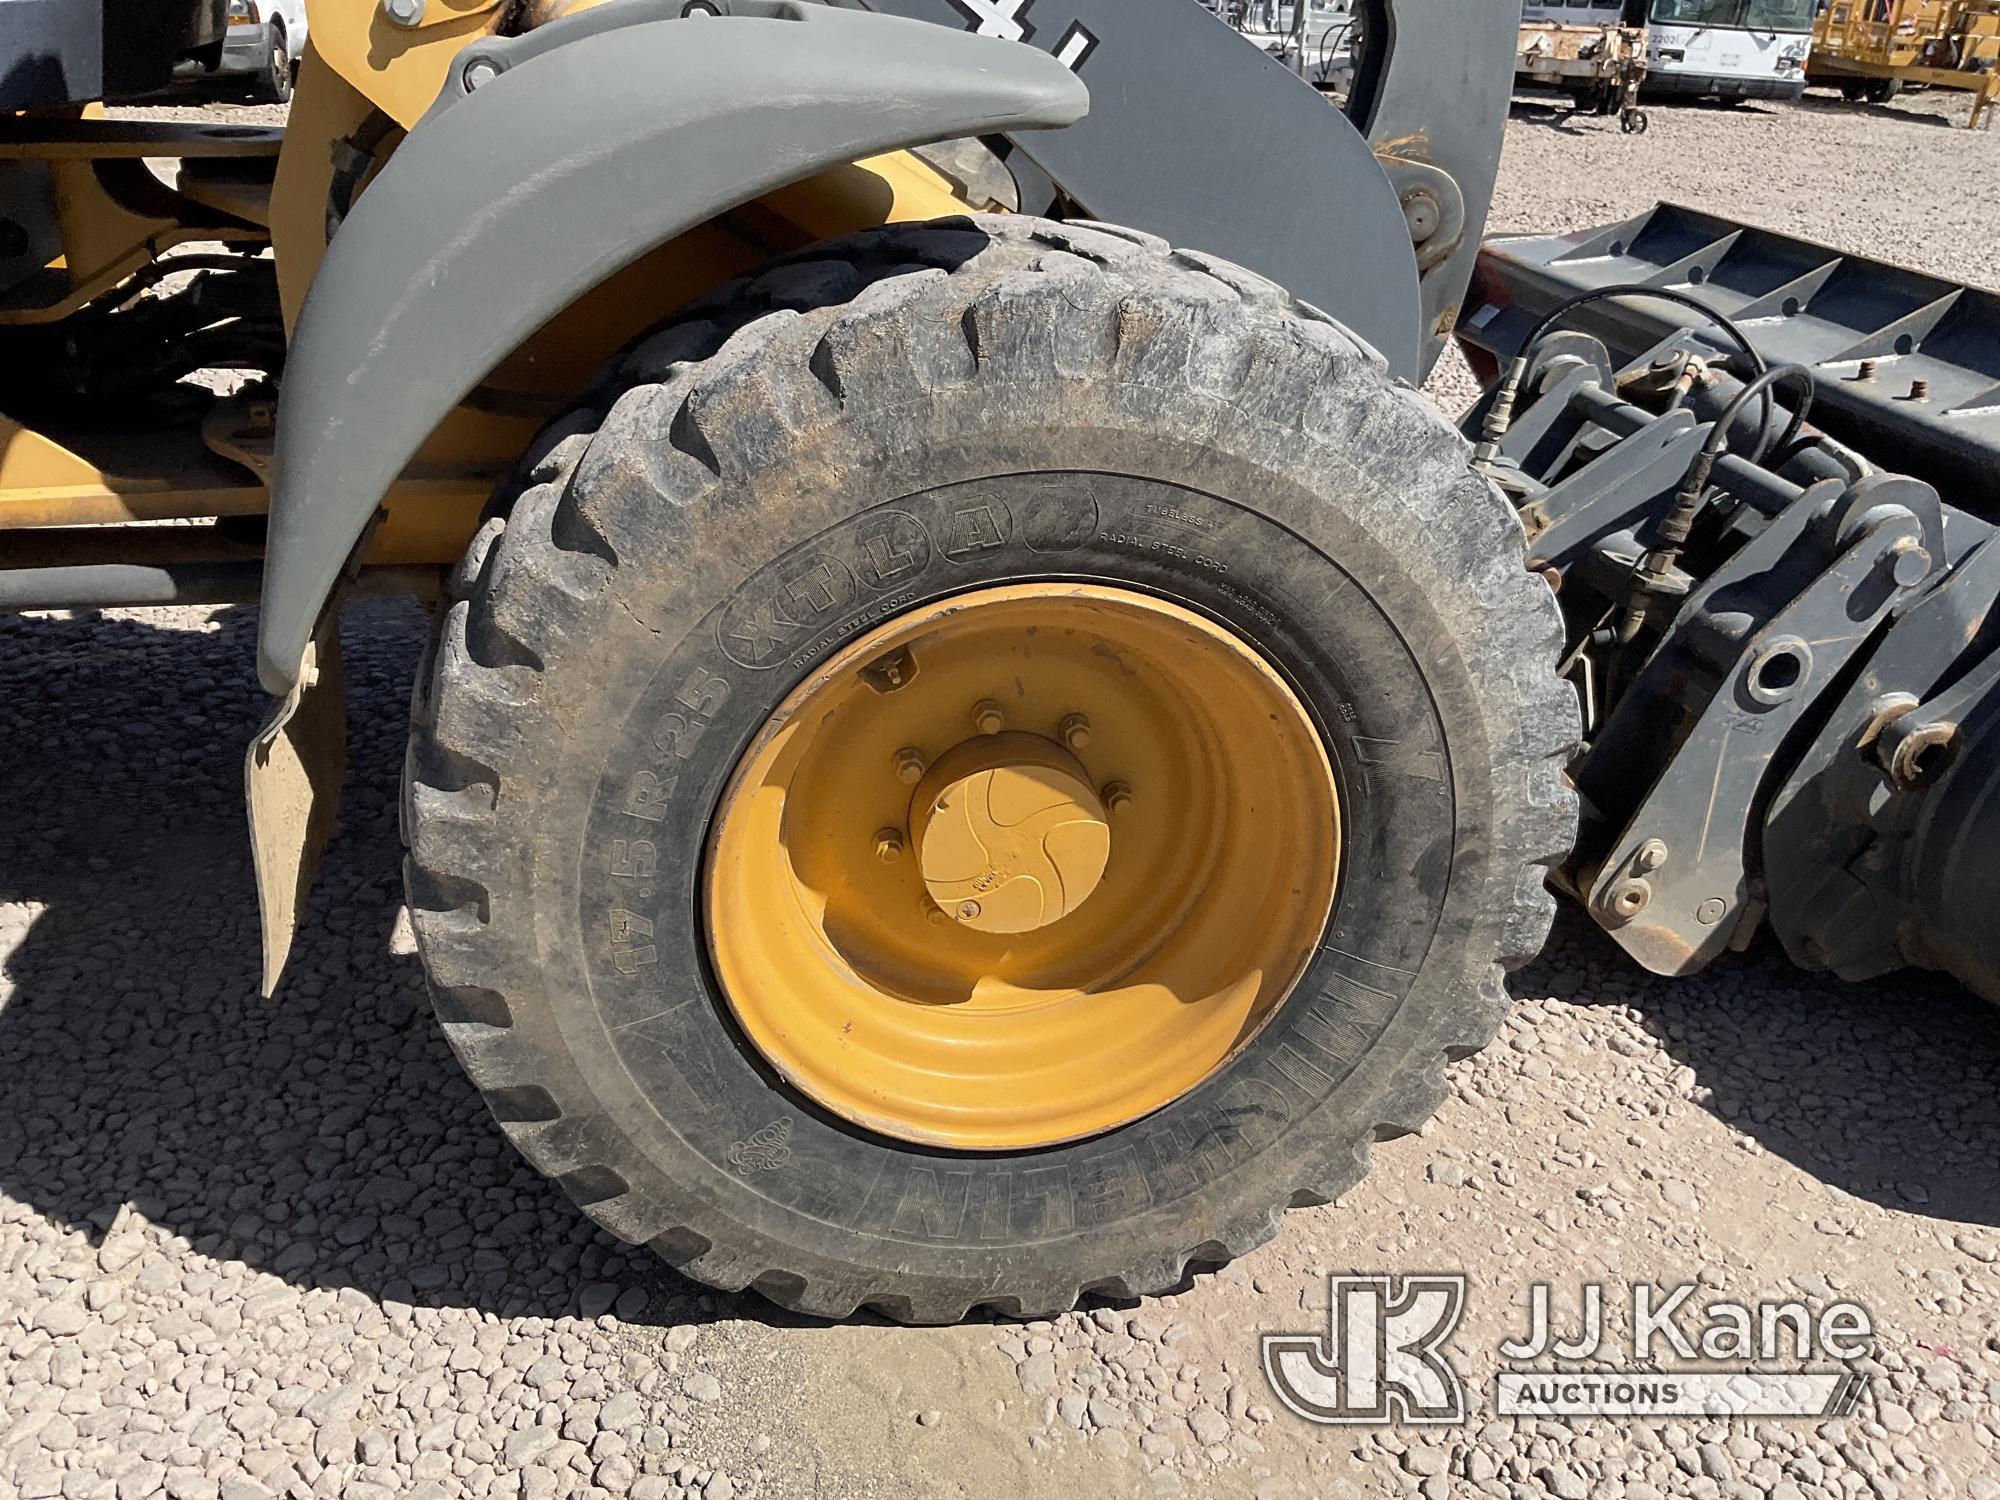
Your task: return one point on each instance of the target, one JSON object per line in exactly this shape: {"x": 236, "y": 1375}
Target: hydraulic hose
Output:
{"x": 1676, "y": 525}
{"x": 1500, "y": 415}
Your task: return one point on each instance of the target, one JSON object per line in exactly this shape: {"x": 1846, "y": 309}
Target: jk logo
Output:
{"x": 1380, "y": 1359}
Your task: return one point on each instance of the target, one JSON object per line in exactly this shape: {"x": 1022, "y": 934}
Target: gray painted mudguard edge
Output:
{"x": 501, "y": 209}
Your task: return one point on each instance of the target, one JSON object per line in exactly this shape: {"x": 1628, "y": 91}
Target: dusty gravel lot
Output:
{"x": 249, "y": 1249}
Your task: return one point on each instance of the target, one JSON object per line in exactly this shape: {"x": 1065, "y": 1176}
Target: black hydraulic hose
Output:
{"x": 1500, "y": 415}
{"x": 1764, "y": 384}
{"x": 1651, "y": 574}
{"x": 1634, "y": 289}
{"x": 1677, "y": 524}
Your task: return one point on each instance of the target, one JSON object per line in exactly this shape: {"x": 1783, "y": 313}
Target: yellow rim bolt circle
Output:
{"x": 999, "y": 981}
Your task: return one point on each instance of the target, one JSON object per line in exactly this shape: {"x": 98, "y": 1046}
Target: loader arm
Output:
{"x": 1372, "y": 212}
{"x": 1796, "y": 724}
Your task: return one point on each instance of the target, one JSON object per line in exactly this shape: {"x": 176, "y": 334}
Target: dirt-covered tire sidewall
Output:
{"x": 276, "y": 79}
{"x": 724, "y": 531}
{"x": 967, "y": 1217}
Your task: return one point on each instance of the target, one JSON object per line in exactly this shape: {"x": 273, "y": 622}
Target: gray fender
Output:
{"x": 600, "y": 138}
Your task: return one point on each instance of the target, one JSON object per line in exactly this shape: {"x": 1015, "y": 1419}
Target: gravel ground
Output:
{"x": 253, "y": 1248}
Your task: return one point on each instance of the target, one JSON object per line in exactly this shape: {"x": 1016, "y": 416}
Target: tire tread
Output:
{"x": 927, "y": 307}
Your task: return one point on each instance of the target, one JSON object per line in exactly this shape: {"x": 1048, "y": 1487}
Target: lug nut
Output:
{"x": 1116, "y": 794}
{"x": 909, "y": 765}
{"x": 889, "y": 845}
{"x": 987, "y": 718}
{"x": 1075, "y": 731}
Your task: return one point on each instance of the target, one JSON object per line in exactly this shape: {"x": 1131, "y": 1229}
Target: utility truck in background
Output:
{"x": 981, "y": 740}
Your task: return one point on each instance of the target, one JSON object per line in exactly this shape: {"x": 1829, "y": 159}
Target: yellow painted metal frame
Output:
{"x": 362, "y": 82}
{"x": 1891, "y": 39}
{"x": 103, "y": 240}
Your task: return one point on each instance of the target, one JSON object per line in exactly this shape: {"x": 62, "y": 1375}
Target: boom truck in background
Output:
{"x": 981, "y": 740}
{"x": 1869, "y": 49}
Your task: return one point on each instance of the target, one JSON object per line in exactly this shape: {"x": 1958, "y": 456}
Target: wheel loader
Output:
{"x": 981, "y": 739}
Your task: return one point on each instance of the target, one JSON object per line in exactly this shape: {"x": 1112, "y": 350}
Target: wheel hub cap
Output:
{"x": 1010, "y": 833}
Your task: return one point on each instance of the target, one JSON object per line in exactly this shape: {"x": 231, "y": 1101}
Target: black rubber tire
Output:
{"x": 898, "y": 416}
{"x": 274, "y": 83}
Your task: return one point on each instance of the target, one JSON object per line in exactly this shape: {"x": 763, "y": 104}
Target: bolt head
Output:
{"x": 1627, "y": 898}
{"x": 987, "y": 718}
{"x": 968, "y": 909}
{"x": 1075, "y": 732}
{"x": 909, "y": 765}
{"x": 403, "y": 12}
{"x": 480, "y": 72}
{"x": 1652, "y": 854}
{"x": 1909, "y": 562}
{"x": 889, "y": 845}
{"x": 1116, "y": 795}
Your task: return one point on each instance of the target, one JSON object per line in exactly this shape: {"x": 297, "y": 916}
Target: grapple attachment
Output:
{"x": 1783, "y": 629}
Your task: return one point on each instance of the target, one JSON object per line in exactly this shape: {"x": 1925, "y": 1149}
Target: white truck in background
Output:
{"x": 262, "y": 45}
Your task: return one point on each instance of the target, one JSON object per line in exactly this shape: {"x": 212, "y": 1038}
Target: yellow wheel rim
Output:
{"x": 1022, "y": 866}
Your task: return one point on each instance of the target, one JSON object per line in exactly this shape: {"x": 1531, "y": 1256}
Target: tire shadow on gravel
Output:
{"x": 328, "y": 1136}
{"x": 1888, "y": 1090}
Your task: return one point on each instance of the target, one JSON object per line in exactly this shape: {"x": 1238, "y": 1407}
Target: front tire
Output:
{"x": 866, "y": 431}
{"x": 274, "y": 81}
